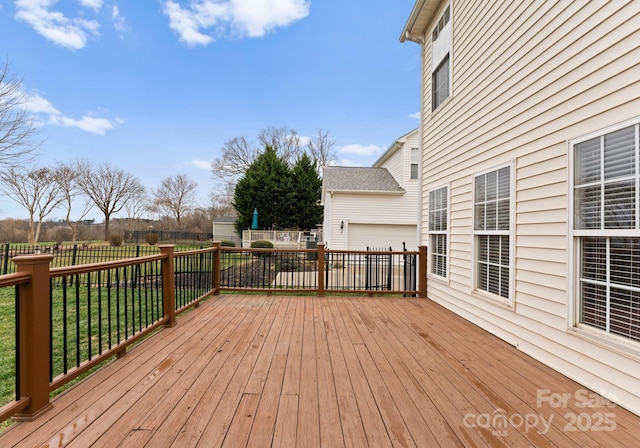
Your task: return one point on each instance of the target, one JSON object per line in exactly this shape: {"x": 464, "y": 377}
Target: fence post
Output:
{"x": 422, "y": 272}
{"x": 320, "y": 269}
{"x": 168, "y": 284}
{"x": 215, "y": 286}
{"x": 34, "y": 335}
{"x": 5, "y": 261}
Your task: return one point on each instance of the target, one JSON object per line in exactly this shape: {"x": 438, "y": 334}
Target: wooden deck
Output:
{"x": 261, "y": 371}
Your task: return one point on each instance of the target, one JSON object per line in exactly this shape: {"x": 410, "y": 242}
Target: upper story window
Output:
{"x": 415, "y": 157}
{"x": 441, "y": 44}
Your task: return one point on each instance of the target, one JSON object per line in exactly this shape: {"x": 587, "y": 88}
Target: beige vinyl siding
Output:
{"x": 394, "y": 165}
{"x": 527, "y": 77}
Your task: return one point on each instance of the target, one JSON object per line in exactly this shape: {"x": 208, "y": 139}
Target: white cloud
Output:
{"x": 199, "y": 164}
{"x": 71, "y": 33}
{"x": 87, "y": 123}
{"x": 94, "y": 4}
{"x": 416, "y": 116}
{"x": 118, "y": 20}
{"x": 40, "y": 106}
{"x": 201, "y": 22}
{"x": 360, "y": 150}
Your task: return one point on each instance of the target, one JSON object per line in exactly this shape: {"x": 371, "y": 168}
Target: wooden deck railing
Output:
{"x": 68, "y": 320}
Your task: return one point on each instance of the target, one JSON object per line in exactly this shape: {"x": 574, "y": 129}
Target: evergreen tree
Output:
{"x": 307, "y": 188}
{"x": 267, "y": 187}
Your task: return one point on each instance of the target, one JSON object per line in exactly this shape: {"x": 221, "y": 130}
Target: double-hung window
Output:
{"x": 441, "y": 45}
{"x": 606, "y": 228}
{"x": 415, "y": 159}
{"x": 492, "y": 228}
{"x": 438, "y": 208}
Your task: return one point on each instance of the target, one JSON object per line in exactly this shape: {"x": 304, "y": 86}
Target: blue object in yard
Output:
{"x": 254, "y": 223}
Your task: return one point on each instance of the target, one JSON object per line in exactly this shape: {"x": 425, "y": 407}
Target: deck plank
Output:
{"x": 308, "y": 433}
{"x": 287, "y": 371}
{"x": 353, "y": 431}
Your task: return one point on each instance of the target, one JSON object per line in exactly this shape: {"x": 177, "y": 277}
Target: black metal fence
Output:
{"x": 193, "y": 277}
{"x": 73, "y": 255}
{"x": 381, "y": 270}
{"x": 167, "y": 236}
{"x": 94, "y": 311}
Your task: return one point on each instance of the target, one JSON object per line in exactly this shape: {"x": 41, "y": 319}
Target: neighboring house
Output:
{"x": 531, "y": 179}
{"x": 223, "y": 229}
{"x": 374, "y": 206}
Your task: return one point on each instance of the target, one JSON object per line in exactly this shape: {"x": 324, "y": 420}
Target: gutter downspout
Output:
{"x": 419, "y": 40}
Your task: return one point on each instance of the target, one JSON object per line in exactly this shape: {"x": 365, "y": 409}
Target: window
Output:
{"x": 438, "y": 230}
{"x": 415, "y": 158}
{"x": 440, "y": 83}
{"x": 441, "y": 44}
{"x": 492, "y": 226}
{"x": 606, "y": 229}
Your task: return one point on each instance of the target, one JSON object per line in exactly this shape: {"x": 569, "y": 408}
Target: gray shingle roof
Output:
{"x": 347, "y": 178}
{"x": 223, "y": 219}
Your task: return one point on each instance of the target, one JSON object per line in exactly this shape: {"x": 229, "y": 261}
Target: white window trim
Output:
{"x": 480, "y": 293}
{"x": 447, "y": 233}
{"x": 621, "y": 344}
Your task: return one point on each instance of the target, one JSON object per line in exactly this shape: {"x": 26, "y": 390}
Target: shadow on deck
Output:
{"x": 261, "y": 371}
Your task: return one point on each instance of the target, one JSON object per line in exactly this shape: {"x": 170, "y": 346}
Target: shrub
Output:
{"x": 151, "y": 238}
{"x": 116, "y": 239}
{"x": 228, "y": 243}
{"x": 286, "y": 265}
{"x": 262, "y": 244}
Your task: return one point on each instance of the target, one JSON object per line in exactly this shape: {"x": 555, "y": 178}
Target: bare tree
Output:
{"x": 37, "y": 190}
{"x": 237, "y": 155}
{"x": 284, "y": 140}
{"x": 136, "y": 207}
{"x": 221, "y": 200}
{"x": 17, "y": 126}
{"x": 175, "y": 196}
{"x": 320, "y": 149}
{"x": 67, "y": 177}
{"x": 109, "y": 188}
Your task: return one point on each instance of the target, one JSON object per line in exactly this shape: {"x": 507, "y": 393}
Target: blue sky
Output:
{"x": 156, "y": 87}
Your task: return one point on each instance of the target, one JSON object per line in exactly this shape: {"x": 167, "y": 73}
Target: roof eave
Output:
{"x": 399, "y": 143}
{"x": 385, "y": 192}
{"x": 421, "y": 15}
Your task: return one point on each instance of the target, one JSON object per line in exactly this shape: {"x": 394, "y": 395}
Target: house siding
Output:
{"x": 526, "y": 78}
{"x": 370, "y": 209}
{"x": 394, "y": 165}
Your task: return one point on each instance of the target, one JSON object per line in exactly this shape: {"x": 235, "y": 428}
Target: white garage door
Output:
{"x": 361, "y": 236}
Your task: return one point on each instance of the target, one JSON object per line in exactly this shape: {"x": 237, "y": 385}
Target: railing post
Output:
{"x": 422, "y": 272}
{"x": 34, "y": 335}
{"x": 320, "y": 269}
{"x": 168, "y": 284}
{"x": 216, "y": 268}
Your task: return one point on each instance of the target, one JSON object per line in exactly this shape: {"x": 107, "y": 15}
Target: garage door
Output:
{"x": 361, "y": 236}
